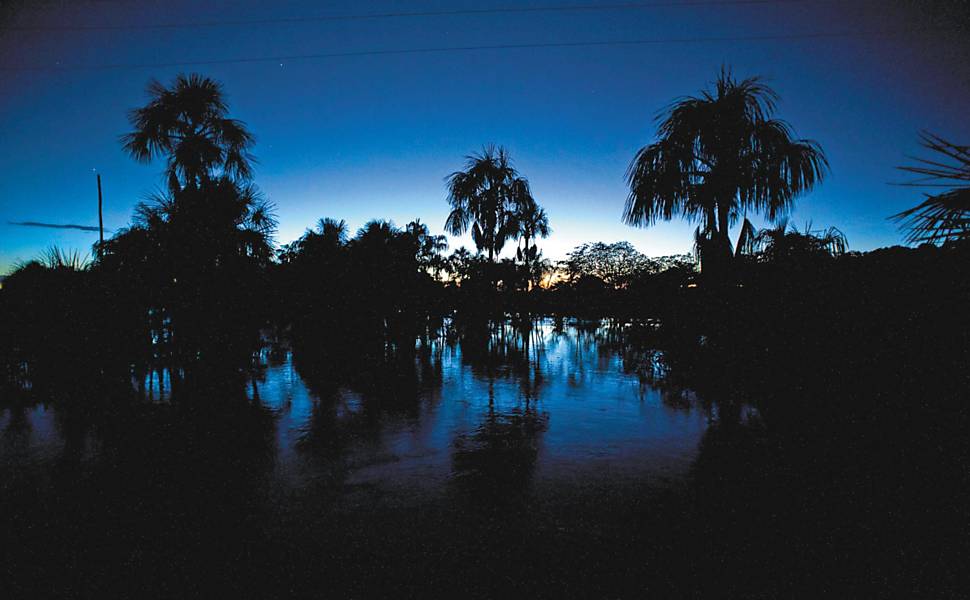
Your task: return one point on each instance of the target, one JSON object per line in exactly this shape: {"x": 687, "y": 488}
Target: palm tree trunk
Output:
{"x": 724, "y": 239}
{"x": 716, "y": 252}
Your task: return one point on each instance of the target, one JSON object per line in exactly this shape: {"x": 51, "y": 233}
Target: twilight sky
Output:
{"x": 373, "y": 136}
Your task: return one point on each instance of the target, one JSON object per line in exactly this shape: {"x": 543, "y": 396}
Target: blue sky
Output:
{"x": 374, "y": 136}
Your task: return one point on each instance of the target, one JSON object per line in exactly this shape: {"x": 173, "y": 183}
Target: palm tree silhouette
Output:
{"x": 225, "y": 218}
{"x": 332, "y": 230}
{"x": 945, "y": 216}
{"x": 785, "y": 243}
{"x": 428, "y": 247}
{"x": 187, "y": 124}
{"x": 718, "y": 156}
{"x": 532, "y": 223}
{"x": 485, "y": 197}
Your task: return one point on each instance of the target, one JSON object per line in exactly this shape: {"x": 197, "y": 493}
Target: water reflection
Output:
{"x": 469, "y": 435}
{"x": 496, "y": 409}
{"x": 523, "y": 458}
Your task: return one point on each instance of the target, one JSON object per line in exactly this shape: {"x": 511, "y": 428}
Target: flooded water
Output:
{"x": 540, "y": 462}
{"x": 557, "y": 408}
{"x": 505, "y": 444}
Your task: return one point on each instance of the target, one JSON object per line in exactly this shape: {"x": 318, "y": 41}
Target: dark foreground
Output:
{"x": 559, "y": 464}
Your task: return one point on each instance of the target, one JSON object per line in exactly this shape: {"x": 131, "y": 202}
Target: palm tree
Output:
{"x": 786, "y": 243}
{"x": 459, "y": 264}
{"x": 532, "y": 223}
{"x": 428, "y": 247}
{"x": 209, "y": 225}
{"x": 187, "y": 124}
{"x": 719, "y": 155}
{"x": 945, "y": 216}
{"x": 332, "y": 230}
{"x": 484, "y": 197}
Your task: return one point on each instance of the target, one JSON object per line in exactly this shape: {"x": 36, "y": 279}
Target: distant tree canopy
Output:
{"x": 617, "y": 264}
{"x": 719, "y": 155}
{"x": 374, "y": 289}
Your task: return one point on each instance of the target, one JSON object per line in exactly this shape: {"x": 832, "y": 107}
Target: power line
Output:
{"x": 446, "y": 49}
{"x": 405, "y": 14}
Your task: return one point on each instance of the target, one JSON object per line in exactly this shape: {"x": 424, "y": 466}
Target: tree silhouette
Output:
{"x": 194, "y": 259}
{"x": 719, "y": 155}
{"x": 532, "y": 223}
{"x": 485, "y": 197}
{"x": 787, "y": 244}
{"x": 429, "y": 247}
{"x": 329, "y": 236}
{"x": 223, "y": 219}
{"x": 187, "y": 124}
{"x": 615, "y": 264}
{"x": 945, "y": 216}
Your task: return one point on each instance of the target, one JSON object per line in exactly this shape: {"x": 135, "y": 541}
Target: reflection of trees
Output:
{"x": 500, "y": 454}
{"x": 354, "y": 399}
{"x": 512, "y": 348}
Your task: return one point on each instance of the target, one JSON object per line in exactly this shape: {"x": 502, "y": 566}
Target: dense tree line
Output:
{"x": 197, "y": 285}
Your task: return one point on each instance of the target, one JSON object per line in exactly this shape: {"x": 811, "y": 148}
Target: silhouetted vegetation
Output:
{"x": 943, "y": 216}
{"x": 196, "y": 283}
{"x": 720, "y": 155}
{"x": 830, "y": 377}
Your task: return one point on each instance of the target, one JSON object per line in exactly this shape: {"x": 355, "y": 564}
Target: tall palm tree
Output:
{"x": 532, "y": 223}
{"x": 945, "y": 216}
{"x": 484, "y": 197}
{"x": 718, "y": 156}
{"x": 187, "y": 124}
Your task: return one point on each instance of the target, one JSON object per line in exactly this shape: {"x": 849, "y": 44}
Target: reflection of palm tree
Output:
{"x": 484, "y": 197}
{"x": 718, "y": 156}
{"x": 945, "y": 216}
{"x": 500, "y": 455}
{"x": 187, "y": 124}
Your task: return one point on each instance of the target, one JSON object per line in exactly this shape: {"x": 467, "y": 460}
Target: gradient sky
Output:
{"x": 374, "y": 136}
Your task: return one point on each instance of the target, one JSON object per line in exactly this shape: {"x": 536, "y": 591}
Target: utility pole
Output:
{"x": 100, "y": 220}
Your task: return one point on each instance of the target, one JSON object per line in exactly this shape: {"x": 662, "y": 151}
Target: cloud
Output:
{"x": 52, "y": 225}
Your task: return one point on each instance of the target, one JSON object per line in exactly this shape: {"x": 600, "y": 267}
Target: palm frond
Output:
{"x": 945, "y": 216}
{"x": 938, "y": 219}
{"x": 57, "y": 258}
{"x": 717, "y": 155}
{"x": 746, "y": 239}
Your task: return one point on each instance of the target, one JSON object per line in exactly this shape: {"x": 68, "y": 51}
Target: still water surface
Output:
{"x": 563, "y": 406}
